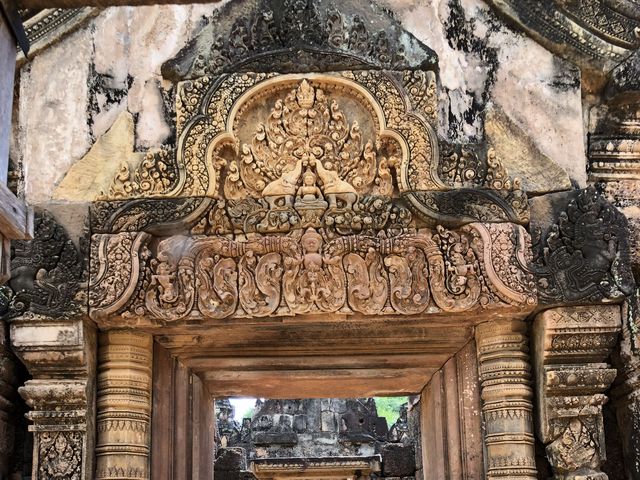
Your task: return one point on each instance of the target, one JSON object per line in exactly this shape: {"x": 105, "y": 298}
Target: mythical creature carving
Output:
{"x": 213, "y": 277}
{"x": 581, "y": 258}
{"x": 46, "y": 272}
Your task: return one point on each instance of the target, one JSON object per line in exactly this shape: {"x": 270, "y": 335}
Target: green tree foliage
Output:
{"x": 389, "y": 407}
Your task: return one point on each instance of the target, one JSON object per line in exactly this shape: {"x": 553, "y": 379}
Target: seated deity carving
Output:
{"x": 310, "y": 203}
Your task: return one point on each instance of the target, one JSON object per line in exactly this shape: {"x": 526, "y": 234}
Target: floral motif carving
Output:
{"x": 210, "y": 277}
{"x": 341, "y": 151}
{"x": 571, "y": 344}
{"x": 60, "y": 455}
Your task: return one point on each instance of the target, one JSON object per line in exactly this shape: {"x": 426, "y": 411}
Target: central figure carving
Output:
{"x": 309, "y": 163}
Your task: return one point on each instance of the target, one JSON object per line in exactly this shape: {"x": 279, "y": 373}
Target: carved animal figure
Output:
{"x": 334, "y": 188}
{"x": 283, "y": 188}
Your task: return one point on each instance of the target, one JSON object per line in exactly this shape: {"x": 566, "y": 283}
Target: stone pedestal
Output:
{"x": 124, "y": 405}
{"x": 505, "y": 377}
{"x": 570, "y": 348}
{"x": 60, "y": 356}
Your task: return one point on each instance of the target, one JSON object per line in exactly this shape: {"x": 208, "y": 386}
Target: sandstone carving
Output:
{"x": 46, "y": 273}
{"x": 570, "y": 346}
{"x": 579, "y": 258}
{"x": 124, "y": 405}
{"x": 505, "y": 373}
{"x": 479, "y": 266}
{"x": 324, "y": 139}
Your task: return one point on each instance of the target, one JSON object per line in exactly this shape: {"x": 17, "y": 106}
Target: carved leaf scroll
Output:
{"x": 212, "y": 277}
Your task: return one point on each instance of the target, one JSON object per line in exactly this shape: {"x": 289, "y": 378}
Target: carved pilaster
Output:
{"x": 570, "y": 348}
{"x": 57, "y": 344}
{"x": 124, "y": 405}
{"x": 506, "y": 395}
{"x": 59, "y": 416}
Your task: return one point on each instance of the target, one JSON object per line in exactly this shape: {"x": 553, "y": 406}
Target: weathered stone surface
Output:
{"x": 398, "y": 460}
{"x": 520, "y": 156}
{"x": 46, "y": 273}
{"x": 91, "y": 176}
{"x": 286, "y": 36}
{"x": 230, "y": 459}
{"x": 597, "y": 36}
{"x": 570, "y": 346}
{"x": 55, "y": 100}
{"x": 581, "y": 252}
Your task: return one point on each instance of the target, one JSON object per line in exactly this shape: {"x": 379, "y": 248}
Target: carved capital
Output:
{"x": 571, "y": 345}
{"x": 505, "y": 379}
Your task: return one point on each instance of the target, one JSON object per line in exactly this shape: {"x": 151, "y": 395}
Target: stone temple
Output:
{"x": 319, "y": 199}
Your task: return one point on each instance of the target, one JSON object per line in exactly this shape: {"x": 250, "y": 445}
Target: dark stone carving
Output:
{"x": 159, "y": 216}
{"x": 45, "y": 273}
{"x": 582, "y": 255}
{"x": 299, "y": 36}
{"x": 598, "y": 33}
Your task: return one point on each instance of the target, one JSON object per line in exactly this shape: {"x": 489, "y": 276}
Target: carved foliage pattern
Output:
{"x": 216, "y": 277}
{"x": 60, "y": 455}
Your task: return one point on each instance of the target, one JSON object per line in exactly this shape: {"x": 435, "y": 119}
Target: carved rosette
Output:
{"x": 124, "y": 405}
{"x": 505, "y": 380}
{"x": 571, "y": 345}
{"x": 479, "y": 267}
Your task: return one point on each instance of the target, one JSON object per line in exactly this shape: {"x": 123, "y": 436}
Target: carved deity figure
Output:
{"x": 308, "y": 193}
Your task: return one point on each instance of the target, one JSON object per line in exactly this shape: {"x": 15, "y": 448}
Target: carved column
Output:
{"x": 124, "y": 405}
{"x": 570, "y": 347}
{"x": 505, "y": 377}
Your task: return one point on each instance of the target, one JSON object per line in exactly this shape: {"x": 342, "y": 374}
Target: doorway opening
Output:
{"x": 317, "y": 438}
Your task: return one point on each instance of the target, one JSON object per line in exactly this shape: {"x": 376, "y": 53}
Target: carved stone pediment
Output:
{"x": 299, "y": 36}
{"x": 481, "y": 267}
{"x": 354, "y": 151}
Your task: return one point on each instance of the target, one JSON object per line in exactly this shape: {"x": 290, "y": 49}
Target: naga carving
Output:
{"x": 214, "y": 277}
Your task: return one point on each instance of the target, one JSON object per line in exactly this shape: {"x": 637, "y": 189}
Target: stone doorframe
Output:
{"x": 294, "y": 268}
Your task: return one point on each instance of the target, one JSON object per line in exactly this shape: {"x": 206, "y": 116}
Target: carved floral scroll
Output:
{"x": 212, "y": 277}
{"x": 351, "y": 150}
